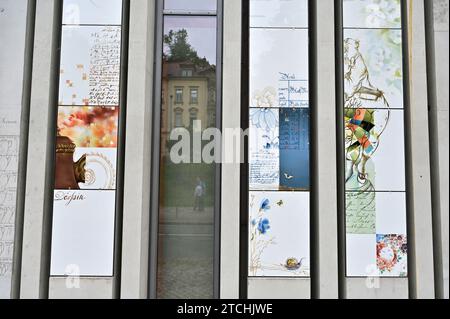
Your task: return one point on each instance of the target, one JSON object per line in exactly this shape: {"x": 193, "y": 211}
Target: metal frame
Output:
{"x": 340, "y": 163}
{"x": 156, "y": 144}
{"x": 117, "y": 261}
{"x": 245, "y": 73}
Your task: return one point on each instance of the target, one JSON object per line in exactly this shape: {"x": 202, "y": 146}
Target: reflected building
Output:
{"x": 188, "y": 94}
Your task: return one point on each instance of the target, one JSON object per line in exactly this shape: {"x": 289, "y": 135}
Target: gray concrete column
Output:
{"x": 420, "y": 233}
{"x": 136, "y": 205}
{"x": 231, "y": 105}
{"x": 38, "y": 199}
{"x": 440, "y": 106}
{"x": 325, "y": 275}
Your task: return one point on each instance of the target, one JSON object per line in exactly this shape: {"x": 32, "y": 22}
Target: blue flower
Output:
{"x": 263, "y": 226}
{"x": 265, "y": 205}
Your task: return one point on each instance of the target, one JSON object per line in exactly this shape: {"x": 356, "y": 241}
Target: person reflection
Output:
{"x": 199, "y": 194}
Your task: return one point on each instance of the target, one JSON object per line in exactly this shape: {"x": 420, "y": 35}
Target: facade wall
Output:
{"x": 13, "y": 25}
{"x": 427, "y": 164}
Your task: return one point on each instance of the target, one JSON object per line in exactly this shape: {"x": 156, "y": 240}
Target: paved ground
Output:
{"x": 185, "y": 278}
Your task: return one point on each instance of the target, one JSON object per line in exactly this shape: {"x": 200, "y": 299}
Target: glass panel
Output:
{"x": 376, "y": 234}
{"x": 376, "y": 243}
{"x": 279, "y": 149}
{"x": 373, "y": 67}
{"x": 83, "y": 233}
{"x": 372, "y": 14}
{"x": 279, "y": 140}
{"x": 86, "y": 145}
{"x": 90, "y": 65}
{"x": 186, "y": 214}
{"x": 279, "y": 13}
{"x": 92, "y": 12}
{"x": 275, "y": 81}
{"x": 191, "y": 5}
{"x": 381, "y": 131}
{"x": 279, "y": 234}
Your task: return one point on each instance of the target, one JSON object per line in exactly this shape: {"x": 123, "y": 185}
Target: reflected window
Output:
{"x": 178, "y": 118}
{"x": 193, "y": 116}
{"x": 194, "y": 96}
{"x": 186, "y": 203}
{"x": 179, "y": 95}
{"x": 187, "y": 72}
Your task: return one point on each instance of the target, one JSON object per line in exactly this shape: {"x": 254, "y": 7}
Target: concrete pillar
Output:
{"x": 439, "y": 76}
{"x": 231, "y": 118}
{"x": 420, "y": 231}
{"x": 136, "y": 205}
{"x": 325, "y": 228}
{"x": 38, "y": 198}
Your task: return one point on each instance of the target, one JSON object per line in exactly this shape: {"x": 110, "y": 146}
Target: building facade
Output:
{"x": 224, "y": 149}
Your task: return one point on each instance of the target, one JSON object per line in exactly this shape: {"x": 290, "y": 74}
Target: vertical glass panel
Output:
{"x": 279, "y": 13}
{"x": 191, "y": 5}
{"x": 279, "y": 68}
{"x": 86, "y": 144}
{"x": 279, "y": 139}
{"x": 13, "y": 24}
{"x": 102, "y": 12}
{"x": 372, "y": 14}
{"x": 186, "y": 213}
{"x": 376, "y": 243}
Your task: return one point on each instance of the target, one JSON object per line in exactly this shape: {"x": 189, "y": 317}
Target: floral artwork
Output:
{"x": 279, "y": 234}
{"x": 372, "y": 13}
{"x": 373, "y": 68}
{"x": 392, "y": 255}
{"x": 279, "y": 67}
{"x": 374, "y": 138}
{"x": 264, "y": 150}
{"x": 89, "y": 126}
{"x": 279, "y": 139}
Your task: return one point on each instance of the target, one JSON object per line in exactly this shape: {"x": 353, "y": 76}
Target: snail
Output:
{"x": 293, "y": 264}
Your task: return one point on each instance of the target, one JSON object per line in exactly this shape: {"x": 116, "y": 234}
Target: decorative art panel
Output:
{"x": 280, "y": 82}
{"x": 375, "y": 202}
{"x": 279, "y": 143}
{"x": 83, "y": 232}
{"x": 90, "y": 65}
{"x": 279, "y": 149}
{"x": 373, "y": 68}
{"x": 275, "y": 13}
{"x": 105, "y": 12}
{"x": 279, "y": 234}
{"x": 87, "y": 139}
{"x": 372, "y": 14}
